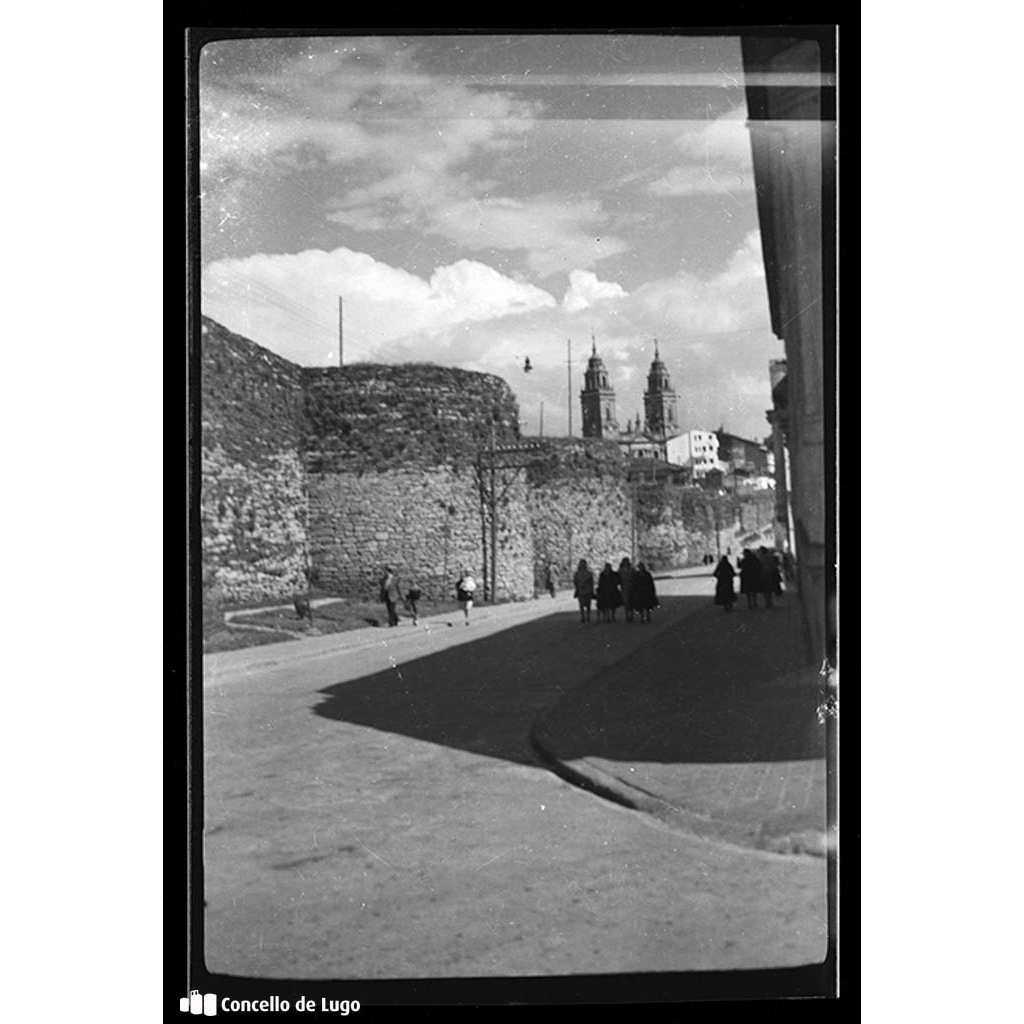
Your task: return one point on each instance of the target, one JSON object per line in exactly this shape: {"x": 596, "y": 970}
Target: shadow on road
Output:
{"x": 693, "y": 686}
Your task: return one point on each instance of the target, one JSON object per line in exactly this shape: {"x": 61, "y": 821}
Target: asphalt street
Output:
{"x": 373, "y": 809}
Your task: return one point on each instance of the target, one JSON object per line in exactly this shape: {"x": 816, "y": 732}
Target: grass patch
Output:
{"x": 270, "y": 602}
{"x": 236, "y": 639}
{"x": 340, "y": 616}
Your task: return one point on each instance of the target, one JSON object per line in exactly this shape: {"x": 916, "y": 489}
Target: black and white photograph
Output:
{"x": 512, "y": 361}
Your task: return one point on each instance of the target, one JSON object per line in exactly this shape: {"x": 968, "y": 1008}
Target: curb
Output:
{"x": 589, "y": 777}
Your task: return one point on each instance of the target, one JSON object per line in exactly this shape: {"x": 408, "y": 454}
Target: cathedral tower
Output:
{"x": 660, "y": 400}
{"x": 598, "y": 400}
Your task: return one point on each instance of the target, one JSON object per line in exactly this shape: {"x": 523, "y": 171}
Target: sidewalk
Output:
{"x": 243, "y": 660}
{"x": 222, "y": 665}
{"x": 714, "y": 727}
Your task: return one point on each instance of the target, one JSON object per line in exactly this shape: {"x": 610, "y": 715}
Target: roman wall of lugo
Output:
{"x": 328, "y": 474}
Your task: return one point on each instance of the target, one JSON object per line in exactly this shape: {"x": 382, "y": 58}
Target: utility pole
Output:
{"x": 341, "y": 331}
{"x": 509, "y": 459}
{"x": 494, "y": 526}
{"x": 568, "y": 365}
{"x": 483, "y": 518}
{"x": 541, "y": 419}
{"x": 632, "y": 520}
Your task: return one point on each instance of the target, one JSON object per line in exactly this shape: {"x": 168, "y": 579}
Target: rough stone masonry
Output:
{"x": 327, "y": 474}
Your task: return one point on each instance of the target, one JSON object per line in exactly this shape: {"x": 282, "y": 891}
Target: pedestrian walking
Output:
{"x": 583, "y": 589}
{"x": 769, "y": 574}
{"x": 750, "y": 577}
{"x": 389, "y": 594}
{"x": 412, "y": 601}
{"x": 724, "y": 594}
{"x": 549, "y": 579}
{"x": 464, "y": 591}
{"x": 627, "y": 576}
{"x": 788, "y": 566}
{"x": 644, "y": 596}
{"x": 609, "y": 596}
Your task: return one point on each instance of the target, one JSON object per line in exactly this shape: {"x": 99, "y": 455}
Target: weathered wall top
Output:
{"x": 368, "y": 416}
{"x": 569, "y": 458}
{"x": 251, "y": 398}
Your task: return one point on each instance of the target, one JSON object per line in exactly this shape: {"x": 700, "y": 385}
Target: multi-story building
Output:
{"x": 697, "y": 449}
{"x": 743, "y": 457}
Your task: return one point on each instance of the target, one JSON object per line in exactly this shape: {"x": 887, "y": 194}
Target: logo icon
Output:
{"x": 196, "y": 1003}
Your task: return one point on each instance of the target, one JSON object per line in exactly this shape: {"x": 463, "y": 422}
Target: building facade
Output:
{"x": 793, "y": 141}
{"x": 743, "y": 457}
{"x": 697, "y": 449}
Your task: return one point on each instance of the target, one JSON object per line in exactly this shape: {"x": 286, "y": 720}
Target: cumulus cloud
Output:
{"x": 585, "y": 290}
{"x": 732, "y": 300}
{"x": 468, "y": 314}
{"x": 289, "y": 303}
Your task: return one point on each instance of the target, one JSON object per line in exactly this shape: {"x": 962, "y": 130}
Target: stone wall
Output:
{"x": 366, "y": 417}
{"x": 578, "y": 503}
{"x": 253, "y": 505}
{"x": 423, "y": 522}
{"x": 391, "y": 453}
{"x": 679, "y": 525}
{"x": 349, "y": 469}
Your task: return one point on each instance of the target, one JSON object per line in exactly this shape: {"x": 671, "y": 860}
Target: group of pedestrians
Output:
{"x": 629, "y": 588}
{"x": 761, "y": 572}
{"x": 391, "y": 595}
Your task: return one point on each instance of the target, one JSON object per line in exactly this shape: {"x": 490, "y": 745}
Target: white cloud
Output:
{"x": 468, "y": 314}
{"x": 418, "y": 144}
{"x": 724, "y": 140}
{"x": 585, "y": 290}
{"x": 717, "y": 159}
{"x": 289, "y": 303}
{"x": 556, "y": 235}
{"x": 733, "y": 300}
{"x": 243, "y": 133}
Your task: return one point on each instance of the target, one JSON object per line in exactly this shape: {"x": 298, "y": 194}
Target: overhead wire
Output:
{"x": 248, "y": 286}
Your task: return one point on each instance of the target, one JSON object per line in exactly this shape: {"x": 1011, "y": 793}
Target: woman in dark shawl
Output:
{"x": 724, "y": 594}
{"x": 583, "y": 589}
{"x": 644, "y": 596}
{"x": 626, "y": 576}
{"x": 608, "y": 596}
{"x": 750, "y": 577}
{"x": 769, "y": 575}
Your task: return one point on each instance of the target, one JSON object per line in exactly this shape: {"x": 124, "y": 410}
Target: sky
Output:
{"x": 481, "y": 200}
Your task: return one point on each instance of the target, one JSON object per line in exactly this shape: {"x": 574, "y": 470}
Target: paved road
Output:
{"x": 377, "y": 813}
